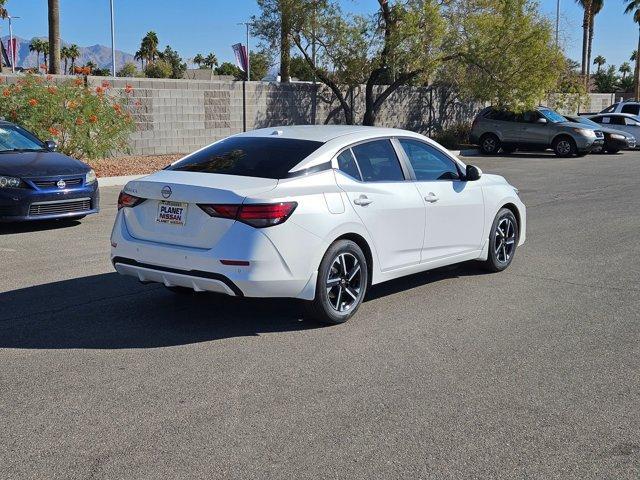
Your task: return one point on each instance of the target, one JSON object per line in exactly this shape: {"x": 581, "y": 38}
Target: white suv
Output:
{"x": 630, "y": 106}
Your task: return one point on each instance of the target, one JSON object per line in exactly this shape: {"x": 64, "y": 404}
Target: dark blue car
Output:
{"x": 37, "y": 183}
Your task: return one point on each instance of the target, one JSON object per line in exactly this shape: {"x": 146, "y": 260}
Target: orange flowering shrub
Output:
{"x": 86, "y": 122}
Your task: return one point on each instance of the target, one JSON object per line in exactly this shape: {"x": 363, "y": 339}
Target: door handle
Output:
{"x": 431, "y": 197}
{"x": 362, "y": 200}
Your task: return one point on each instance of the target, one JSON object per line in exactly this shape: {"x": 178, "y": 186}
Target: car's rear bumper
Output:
{"x": 23, "y": 204}
{"x": 266, "y": 275}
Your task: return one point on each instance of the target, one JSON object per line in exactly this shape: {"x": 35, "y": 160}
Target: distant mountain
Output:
{"x": 98, "y": 54}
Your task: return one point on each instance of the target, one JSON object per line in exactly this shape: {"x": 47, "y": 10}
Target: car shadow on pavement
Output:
{"x": 36, "y": 226}
{"x": 109, "y": 311}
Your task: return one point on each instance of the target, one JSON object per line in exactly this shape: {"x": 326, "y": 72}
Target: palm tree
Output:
{"x": 600, "y": 61}
{"x": 596, "y": 7}
{"x": 624, "y": 69}
{"x": 211, "y": 61}
{"x": 36, "y": 45}
{"x": 54, "y": 36}
{"x": 64, "y": 56}
{"x": 74, "y": 52}
{"x": 140, "y": 56}
{"x": 586, "y": 7}
{"x": 45, "y": 52}
{"x": 633, "y": 7}
{"x": 149, "y": 47}
{"x": 198, "y": 60}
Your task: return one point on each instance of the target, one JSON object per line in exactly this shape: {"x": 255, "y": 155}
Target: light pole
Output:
{"x": 247, "y": 24}
{"x": 113, "y": 43}
{"x": 557, "y": 20}
{"x": 13, "y": 52}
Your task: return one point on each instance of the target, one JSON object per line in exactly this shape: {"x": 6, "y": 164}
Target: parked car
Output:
{"x": 317, "y": 213}
{"x": 38, "y": 183}
{"x": 629, "y": 106}
{"x": 536, "y": 130}
{"x": 614, "y": 140}
{"x": 620, "y": 121}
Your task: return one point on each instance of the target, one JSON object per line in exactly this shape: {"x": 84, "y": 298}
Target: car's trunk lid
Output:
{"x": 170, "y": 213}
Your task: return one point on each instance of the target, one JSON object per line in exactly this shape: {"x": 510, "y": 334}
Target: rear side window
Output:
{"x": 428, "y": 163}
{"x": 347, "y": 164}
{"x": 632, "y": 109}
{"x": 616, "y": 120}
{"x": 502, "y": 115}
{"x": 262, "y": 157}
{"x": 378, "y": 161}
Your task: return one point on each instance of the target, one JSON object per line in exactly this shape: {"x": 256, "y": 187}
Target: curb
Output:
{"x": 117, "y": 181}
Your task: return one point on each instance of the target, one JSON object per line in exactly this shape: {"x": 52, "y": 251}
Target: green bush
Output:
{"x": 158, "y": 69}
{"x": 85, "y": 122}
{"x": 453, "y": 137}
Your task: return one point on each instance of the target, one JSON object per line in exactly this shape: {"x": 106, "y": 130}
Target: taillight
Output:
{"x": 126, "y": 200}
{"x": 257, "y": 215}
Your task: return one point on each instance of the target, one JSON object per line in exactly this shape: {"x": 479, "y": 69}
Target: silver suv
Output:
{"x": 539, "y": 129}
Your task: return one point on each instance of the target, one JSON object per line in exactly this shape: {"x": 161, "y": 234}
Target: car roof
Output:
{"x": 616, "y": 114}
{"x": 323, "y": 133}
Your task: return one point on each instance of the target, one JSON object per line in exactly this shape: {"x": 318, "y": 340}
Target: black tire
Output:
{"x": 489, "y": 144}
{"x": 564, "y": 146}
{"x": 503, "y": 241}
{"x": 342, "y": 260}
{"x": 613, "y": 150}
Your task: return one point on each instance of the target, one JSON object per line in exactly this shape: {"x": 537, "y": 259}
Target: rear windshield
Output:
{"x": 262, "y": 157}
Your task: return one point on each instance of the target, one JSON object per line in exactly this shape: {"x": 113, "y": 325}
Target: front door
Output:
{"x": 454, "y": 207}
{"x": 388, "y": 205}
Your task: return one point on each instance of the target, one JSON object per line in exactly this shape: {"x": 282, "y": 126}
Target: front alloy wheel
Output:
{"x": 341, "y": 285}
{"x": 503, "y": 241}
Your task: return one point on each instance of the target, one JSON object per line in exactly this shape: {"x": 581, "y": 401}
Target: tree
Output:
{"x": 606, "y": 81}
{"x": 129, "y": 69}
{"x": 274, "y": 26}
{"x": 600, "y": 61}
{"x": 3, "y": 14}
{"x": 300, "y": 69}
{"x": 260, "y": 63}
{"x": 494, "y": 50}
{"x": 158, "y": 69}
{"x": 148, "y": 48}
{"x": 64, "y": 56}
{"x": 633, "y": 7}
{"x": 45, "y": 53}
{"x": 586, "y": 20}
{"x": 198, "y": 60}
{"x": 178, "y": 67}
{"x": 74, "y": 53}
{"x": 228, "y": 68}
{"x": 596, "y": 7}
{"x": 624, "y": 69}
{"x": 210, "y": 61}
{"x": 36, "y": 45}
{"x": 54, "y": 36}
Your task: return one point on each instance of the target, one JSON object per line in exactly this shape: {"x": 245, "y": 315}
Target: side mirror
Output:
{"x": 542, "y": 121}
{"x": 50, "y": 145}
{"x": 473, "y": 173}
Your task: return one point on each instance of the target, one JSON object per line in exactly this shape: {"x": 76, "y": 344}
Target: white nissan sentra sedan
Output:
{"x": 317, "y": 213}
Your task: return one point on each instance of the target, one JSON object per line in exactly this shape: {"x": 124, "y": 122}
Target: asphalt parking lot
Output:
{"x": 529, "y": 373}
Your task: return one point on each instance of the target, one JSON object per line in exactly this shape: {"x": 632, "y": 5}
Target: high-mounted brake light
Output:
{"x": 126, "y": 200}
{"x": 257, "y": 215}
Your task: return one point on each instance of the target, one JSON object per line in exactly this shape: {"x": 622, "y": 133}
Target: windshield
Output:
{"x": 249, "y": 157}
{"x": 16, "y": 139}
{"x": 553, "y": 116}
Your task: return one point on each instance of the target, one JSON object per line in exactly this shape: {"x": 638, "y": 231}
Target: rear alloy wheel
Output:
{"x": 503, "y": 241}
{"x": 489, "y": 144}
{"x": 341, "y": 284}
{"x": 564, "y": 147}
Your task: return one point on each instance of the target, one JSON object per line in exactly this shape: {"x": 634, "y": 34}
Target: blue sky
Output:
{"x": 193, "y": 26}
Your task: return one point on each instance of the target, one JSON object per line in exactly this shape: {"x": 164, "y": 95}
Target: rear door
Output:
{"x": 454, "y": 207}
{"x": 389, "y": 206}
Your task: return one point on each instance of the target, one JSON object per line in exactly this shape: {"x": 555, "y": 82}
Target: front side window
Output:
{"x": 616, "y": 120}
{"x": 347, "y": 164}
{"x": 428, "y": 163}
{"x": 262, "y": 157}
{"x": 378, "y": 161}
{"x": 632, "y": 109}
